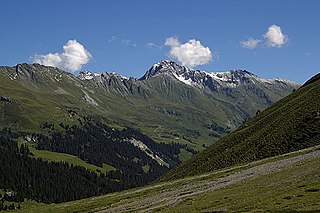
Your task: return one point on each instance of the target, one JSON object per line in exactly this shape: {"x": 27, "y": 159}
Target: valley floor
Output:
{"x": 285, "y": 183}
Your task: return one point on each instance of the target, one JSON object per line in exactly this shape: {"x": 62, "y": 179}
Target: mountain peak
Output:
{"x": 213, "y": 80}
{"x": 164, "y": 66}
{"x": 86, "y": 75}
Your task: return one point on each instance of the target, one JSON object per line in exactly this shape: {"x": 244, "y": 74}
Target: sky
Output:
{"x": 268, "y": 38}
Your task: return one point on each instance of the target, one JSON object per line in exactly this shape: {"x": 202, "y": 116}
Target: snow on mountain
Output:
{"x": 191, "y": 77}
{"x": 86, "y": 75}
{"x": 198, "y": 78}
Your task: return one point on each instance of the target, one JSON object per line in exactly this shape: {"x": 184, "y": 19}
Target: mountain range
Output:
{"x": 268, "y": 164}
{"x": 169, "y": 103}
{"x": 116, "y": 131}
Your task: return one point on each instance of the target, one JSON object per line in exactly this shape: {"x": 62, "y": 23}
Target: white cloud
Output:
{"x": 74, "y": 56}
{"x": 275, "y": 37}
{"x": 191, "y": 53}
{"x": 152, "y": 45}
{"x": 173, "y": 42}
{"x": 250, "y": 43}
{"x": 128, "y": 42}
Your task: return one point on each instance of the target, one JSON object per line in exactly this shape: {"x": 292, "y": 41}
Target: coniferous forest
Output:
{"x": 96, "y": 143}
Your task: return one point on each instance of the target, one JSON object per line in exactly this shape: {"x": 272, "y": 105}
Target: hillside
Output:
{"x": 288, "y": 125}
{"x": 287, "y": 183}
{"x": 133, "y": 160}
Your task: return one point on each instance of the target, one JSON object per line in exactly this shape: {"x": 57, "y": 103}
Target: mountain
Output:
{"x": 169, "y": 103}
{"x": 115, "y": 131}
{"x": 215, "y": 81}
{"x": 288, "y": 125}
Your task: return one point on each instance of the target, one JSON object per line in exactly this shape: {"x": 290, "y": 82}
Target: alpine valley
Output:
{"x": 65, "y": 137}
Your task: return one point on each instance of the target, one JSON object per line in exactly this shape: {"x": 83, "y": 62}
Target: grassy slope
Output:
{"x": 288, "y": 125}
{"x": 293, "y": 188}
{"x": 71, "y": 159}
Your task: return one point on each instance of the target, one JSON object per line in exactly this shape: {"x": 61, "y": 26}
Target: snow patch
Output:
{"x": 182, "y": 79}
{"x": 88, "y": 77}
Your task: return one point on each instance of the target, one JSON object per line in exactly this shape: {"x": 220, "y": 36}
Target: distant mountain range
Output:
{"x": 169, "y": 103}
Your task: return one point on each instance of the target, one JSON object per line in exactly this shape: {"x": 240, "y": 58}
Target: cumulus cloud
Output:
{"x": 74, "y": 56}
{"x": 191, "y": 53}
{"x": 250, "y": 43}
{"x": 275, "y": 37}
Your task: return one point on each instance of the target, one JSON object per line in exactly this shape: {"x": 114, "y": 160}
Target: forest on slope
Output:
{"x": 30, "y": 177}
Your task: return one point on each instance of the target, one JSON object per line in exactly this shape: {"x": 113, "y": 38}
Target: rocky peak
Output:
{"x": 86, "y": 75}
{"x": 36, "y": 72}
{"x": 26, "y": 70}
{"x": 166, "y": 67}
{"x": 213, "y": 80}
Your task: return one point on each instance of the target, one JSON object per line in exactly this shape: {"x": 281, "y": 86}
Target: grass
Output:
{"x": 146, "y": 168}
{"x": 294, "y": 189}
{"x": 71, "y": 159}
{"x": 29, "y": 204}
{"x": 184, "y": 155}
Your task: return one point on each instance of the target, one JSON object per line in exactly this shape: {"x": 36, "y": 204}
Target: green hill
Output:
{"x": 288, "y": 125}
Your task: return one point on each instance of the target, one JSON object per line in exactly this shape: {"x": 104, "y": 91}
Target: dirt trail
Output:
{"x": 173, "y": 196}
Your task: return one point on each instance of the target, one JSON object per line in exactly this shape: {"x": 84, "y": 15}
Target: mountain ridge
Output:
{"x": 206, "y": 101}
{"x": 183, "y": 74}
{"x": 230, "y": 78}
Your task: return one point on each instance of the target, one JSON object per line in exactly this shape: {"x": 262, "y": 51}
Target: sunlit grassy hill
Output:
{"x": 288, "y": 125}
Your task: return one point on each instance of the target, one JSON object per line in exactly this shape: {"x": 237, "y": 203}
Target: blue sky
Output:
{"x": 129, "y": 36}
